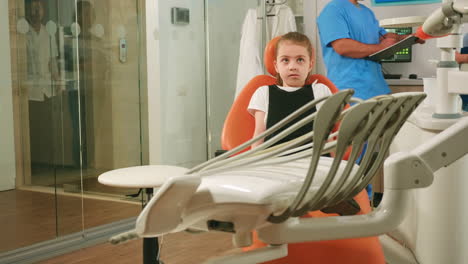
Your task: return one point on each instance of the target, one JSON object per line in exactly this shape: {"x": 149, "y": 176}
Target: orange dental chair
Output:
{"x": 239, "y": 127}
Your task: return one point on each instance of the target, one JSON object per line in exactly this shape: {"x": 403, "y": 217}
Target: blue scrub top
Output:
{"x": 342, "y": 19}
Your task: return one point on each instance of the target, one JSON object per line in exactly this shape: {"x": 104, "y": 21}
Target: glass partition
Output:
{"x": 76, "y": 70}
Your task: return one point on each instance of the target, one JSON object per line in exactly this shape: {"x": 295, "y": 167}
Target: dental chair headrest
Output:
{"x": 270, "y": 55}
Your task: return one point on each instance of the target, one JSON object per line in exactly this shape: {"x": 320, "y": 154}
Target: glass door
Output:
{"x": 100, "y": 109}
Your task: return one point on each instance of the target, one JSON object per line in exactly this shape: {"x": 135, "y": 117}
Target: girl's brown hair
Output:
{"x": 298, "y": 39}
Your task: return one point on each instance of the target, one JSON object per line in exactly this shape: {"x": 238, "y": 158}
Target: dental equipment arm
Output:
{"x": 403, "y": 171}
{"x": 312, "y": 173}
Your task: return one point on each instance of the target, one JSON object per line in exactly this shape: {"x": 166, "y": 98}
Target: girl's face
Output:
{"x": 293, "y": 63}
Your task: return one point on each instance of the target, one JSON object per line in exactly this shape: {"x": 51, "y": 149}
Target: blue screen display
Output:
{"x": 403, "y": 2}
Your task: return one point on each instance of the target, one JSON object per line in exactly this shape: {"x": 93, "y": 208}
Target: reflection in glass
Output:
{"x": 41, "y": 56}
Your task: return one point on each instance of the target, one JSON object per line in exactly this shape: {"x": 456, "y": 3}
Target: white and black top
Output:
{"x": 278, "y": 102}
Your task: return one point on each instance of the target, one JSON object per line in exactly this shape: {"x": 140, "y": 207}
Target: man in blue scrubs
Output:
{"x": 349, "y": 32}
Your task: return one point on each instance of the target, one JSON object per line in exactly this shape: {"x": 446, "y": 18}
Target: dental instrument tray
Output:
{"x": 393, "y": 49}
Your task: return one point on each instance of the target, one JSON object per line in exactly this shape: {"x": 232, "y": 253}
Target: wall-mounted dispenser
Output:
{"x": 180, "y": 16}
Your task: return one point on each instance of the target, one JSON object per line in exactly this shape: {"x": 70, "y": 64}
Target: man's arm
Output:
{"x": 461, "y": 58}
{"x": 355, "y": 49}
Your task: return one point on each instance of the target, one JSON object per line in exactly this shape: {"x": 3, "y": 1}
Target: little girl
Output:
{"x": 270, "y": 104}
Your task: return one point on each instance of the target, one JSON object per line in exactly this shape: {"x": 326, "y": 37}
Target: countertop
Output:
{"x": 404, "y": 81}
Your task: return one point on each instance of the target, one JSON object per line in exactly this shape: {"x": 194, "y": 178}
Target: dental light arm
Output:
{"x": 445, "y": 24}
{"x": 442, "y": 21}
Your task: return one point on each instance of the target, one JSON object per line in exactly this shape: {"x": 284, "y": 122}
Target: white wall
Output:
{"x": 224, "y": 23}
{"x": 421, "y": 53}
{"x": 176, "y": 84}
{"x": 7, "y": 151}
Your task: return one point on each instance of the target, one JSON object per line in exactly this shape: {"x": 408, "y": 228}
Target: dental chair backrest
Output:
{"x": 239, "y": 124}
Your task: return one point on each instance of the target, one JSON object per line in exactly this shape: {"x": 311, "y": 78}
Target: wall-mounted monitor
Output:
{"x": 403, "y": 2}
{"x": 403, "y": 55}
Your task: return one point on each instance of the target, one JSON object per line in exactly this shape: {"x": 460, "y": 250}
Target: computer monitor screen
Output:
{"x": 403, "y": 2}
{"x": 403, "y": 55}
